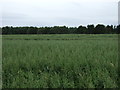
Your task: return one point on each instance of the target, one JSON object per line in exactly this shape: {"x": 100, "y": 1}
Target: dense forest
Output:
{"x": 89, "y": 29}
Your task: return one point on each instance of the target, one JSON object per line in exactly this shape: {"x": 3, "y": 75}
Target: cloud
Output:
{"x": 58, "y": 12}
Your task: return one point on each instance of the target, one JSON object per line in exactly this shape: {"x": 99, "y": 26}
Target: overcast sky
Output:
{"x": 58, "y": 12}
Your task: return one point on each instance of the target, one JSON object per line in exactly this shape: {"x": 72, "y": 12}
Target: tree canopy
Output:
{"x": 89, "y": 29}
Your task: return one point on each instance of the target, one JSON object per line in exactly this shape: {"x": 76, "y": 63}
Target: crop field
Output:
{"x": 60, "y": 61}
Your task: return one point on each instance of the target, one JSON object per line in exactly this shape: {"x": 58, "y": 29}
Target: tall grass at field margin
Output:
{"x": 60, "y": 64}
{"x": 0, "y": 61}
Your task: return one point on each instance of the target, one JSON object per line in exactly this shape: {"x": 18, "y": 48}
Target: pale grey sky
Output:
{"x": 58, "y": 12}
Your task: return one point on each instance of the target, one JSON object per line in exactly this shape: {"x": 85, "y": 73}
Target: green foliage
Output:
{"x": 90, "y": 29}
{"x": 84, "y": 63}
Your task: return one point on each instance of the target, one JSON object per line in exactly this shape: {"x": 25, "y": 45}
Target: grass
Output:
{"x": 60, "y": 37}
{"x": 91, "y": 61}
{"x": 0, "y": 61}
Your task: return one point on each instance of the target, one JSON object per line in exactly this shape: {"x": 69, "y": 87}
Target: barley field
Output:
{"x": 60, "y": 61}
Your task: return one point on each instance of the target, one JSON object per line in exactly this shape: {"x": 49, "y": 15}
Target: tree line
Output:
{"x": 89, "y": 29}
